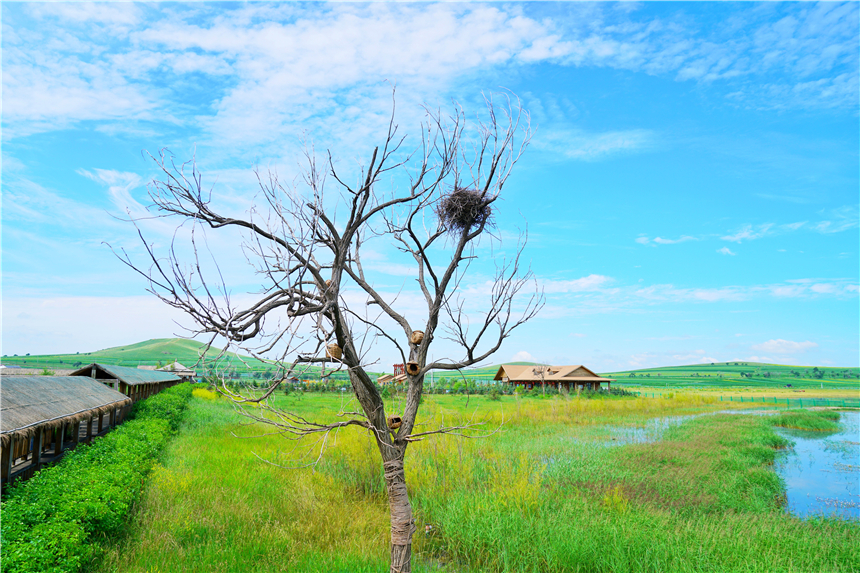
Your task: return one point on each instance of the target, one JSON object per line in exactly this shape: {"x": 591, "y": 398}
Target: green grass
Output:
{"x": 816, "y": 421}
{"x": 542, "y": 493}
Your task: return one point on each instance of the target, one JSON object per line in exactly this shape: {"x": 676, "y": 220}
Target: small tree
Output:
{"x": 307, "y": 248}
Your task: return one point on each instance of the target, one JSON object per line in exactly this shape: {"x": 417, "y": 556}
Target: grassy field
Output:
{"x": 730, "y": 375}
{"x": 546, "y": 491}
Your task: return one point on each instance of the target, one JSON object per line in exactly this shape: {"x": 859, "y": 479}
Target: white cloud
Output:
{"x": 593, "y": 146}
{"x": 119, "y": 184}
{"x": 726, "y": 251}
{"x": 522, "y": 356}
{"x": 682, "y": 239}
{"x": 590, "y": 283}
{"x": 287, "y": 66}
{"x": 780, "y": 346}
{"x": 749, "y": 233}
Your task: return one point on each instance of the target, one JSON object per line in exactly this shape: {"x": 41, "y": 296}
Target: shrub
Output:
{"x": 52, "y": 522}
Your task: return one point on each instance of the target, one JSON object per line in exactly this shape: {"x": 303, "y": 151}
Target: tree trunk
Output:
{"x": 402, "y": 524}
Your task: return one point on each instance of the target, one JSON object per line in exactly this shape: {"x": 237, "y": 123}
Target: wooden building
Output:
{"x": 391, "y": 379}
{"x": 187, "y": 374}
{"x": 135, "y": 383}
{"x": 571, "y": 378}
{"x": 44, "y": 416}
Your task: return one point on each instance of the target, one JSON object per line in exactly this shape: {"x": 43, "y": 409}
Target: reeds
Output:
{"x": 543, "y": 492}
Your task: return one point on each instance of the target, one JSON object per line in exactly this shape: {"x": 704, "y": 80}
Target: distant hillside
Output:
{"x": 740, "y": 374}
{"x": 158, "y": 351}
{"x": 146, "y": 353}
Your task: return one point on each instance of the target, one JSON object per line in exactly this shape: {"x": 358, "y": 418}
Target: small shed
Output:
{"x": 135, "y": 383}
{"x": 44, "y": 416}
{"x": 176, "y": 368}
{"x": 574, "y": 377}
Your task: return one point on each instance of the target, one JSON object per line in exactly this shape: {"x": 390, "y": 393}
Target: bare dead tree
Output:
{"x": 307, "y": 248}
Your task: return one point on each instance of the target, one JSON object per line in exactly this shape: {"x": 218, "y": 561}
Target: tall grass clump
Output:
{"x": 56, "y": 521}
{"x": 812, "y": 420}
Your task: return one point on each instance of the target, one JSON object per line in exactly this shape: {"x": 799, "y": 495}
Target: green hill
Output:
{"x": 146, "y": 353}
{"x": 740, "y": 374}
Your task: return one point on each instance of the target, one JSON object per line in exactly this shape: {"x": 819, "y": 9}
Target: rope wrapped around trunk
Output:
{"x": 402, "y": 524}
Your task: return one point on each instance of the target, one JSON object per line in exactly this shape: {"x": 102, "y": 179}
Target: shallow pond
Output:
{"x": 822, "y": 470}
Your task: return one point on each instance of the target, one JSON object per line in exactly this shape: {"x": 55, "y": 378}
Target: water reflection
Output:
{"x": 822, "y": 471}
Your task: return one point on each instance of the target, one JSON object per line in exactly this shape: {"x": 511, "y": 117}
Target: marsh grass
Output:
{"x": 543, "y": 492}
{"x": 812, "y": 420}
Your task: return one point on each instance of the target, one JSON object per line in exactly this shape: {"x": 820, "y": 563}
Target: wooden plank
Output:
{"x": 77, "y": 438}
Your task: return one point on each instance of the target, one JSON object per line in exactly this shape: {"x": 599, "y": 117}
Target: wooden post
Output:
{"x": 77, "y": 438}
{"x": 93, "y": 372}
{"x": 89, "y": 429}
{"x": 58, "y": 440}
{"x": 7, "y": 459}
{"x": 37, "y": 449}
{"x": 101, "y": 422}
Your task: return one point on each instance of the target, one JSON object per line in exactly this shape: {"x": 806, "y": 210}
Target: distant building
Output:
{"x": 391, "y": 379}
{"x": 574, "y": 377}
{"x": 187, "y": 374}
{"x": 135, "y": 383}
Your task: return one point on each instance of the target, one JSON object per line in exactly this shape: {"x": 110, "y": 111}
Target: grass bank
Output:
{"x": 545, "y": 491}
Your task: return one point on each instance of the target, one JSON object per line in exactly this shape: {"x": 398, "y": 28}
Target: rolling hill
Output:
{"x": 146, "y": 353}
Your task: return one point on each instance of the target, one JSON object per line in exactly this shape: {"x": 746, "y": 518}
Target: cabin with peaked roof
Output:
{"x": 135, "y": 383}
{"x": 573, "y": 377}
{"x": 183, "y": 372}
{"x": 44, "y": 416}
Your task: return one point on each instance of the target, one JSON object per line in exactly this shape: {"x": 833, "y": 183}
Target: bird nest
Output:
{"x": 462, "y": 209}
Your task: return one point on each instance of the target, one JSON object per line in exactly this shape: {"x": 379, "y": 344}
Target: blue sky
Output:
{"x": 691, "y": 190}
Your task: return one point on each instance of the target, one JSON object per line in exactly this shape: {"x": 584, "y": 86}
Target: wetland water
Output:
{"x": 821, "y": 471}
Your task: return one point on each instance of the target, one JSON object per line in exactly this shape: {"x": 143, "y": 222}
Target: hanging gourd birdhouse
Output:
{"x": 394, "y": 422}
{"x": 412, "y": 368}
{"x": 417, "y": 336}
{"x": 333, "y": 351}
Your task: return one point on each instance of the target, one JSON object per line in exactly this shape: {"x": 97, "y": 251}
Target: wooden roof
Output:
{"x": 386, "y": 378}
{"x": 130, "y": 376}
{"x": 178, "y": 369}
{"x": 30, "y": 402}
{"x": 547, "y": 373}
